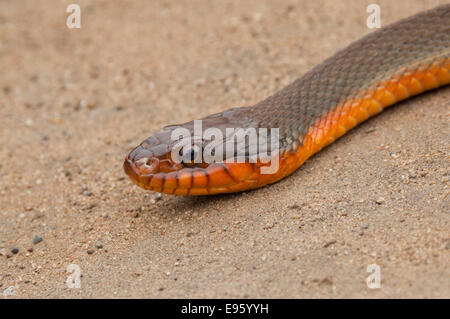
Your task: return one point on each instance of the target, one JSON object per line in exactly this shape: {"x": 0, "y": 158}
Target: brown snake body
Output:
{"x": 389, "y": 65}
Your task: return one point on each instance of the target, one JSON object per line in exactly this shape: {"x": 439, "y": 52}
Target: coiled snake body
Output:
{"x": 389, "y": 65}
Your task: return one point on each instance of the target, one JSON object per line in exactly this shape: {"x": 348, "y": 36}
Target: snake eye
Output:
{"x": 191, "y": 154}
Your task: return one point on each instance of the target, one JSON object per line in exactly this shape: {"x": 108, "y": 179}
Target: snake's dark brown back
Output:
{"x": 411, "y": 43}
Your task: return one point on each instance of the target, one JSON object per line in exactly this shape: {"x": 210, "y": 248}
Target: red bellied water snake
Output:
{"x": 386, "y": 66}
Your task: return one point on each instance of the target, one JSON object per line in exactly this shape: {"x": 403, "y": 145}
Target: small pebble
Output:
{"x": 157, "y": 197}
{"x": 92, "y": 205}
{"x": 90, "y": 251}
{"x": 329, "y": 243}
{"x": 326, "y": 281}
{"x": 9, "y": 291}
{"x": 15, "y": 250}
{"x": 37, "y": 239}
{"x": 99, "y": 244}
{"x": 380, "y": 200}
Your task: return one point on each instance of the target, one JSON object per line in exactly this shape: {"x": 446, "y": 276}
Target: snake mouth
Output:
{"x": 153, "y": 169}
{"x": 150, "y": 173}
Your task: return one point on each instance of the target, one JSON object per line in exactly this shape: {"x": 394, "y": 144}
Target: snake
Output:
{"x": 382, "y": 68}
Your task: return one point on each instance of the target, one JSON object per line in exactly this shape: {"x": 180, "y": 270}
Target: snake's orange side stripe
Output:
{"x": 353, "y": 112}
{"x": 344, "y": 117}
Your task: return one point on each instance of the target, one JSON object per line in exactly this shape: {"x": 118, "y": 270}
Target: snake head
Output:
{"x": 152, "y": 156}
{"x": 173, "y": 160}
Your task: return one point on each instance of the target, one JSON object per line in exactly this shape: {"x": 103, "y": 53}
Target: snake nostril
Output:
{"x": 147, "y": 165}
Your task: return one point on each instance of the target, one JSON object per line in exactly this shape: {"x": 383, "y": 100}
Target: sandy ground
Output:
{"x": 74, "y": 102}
